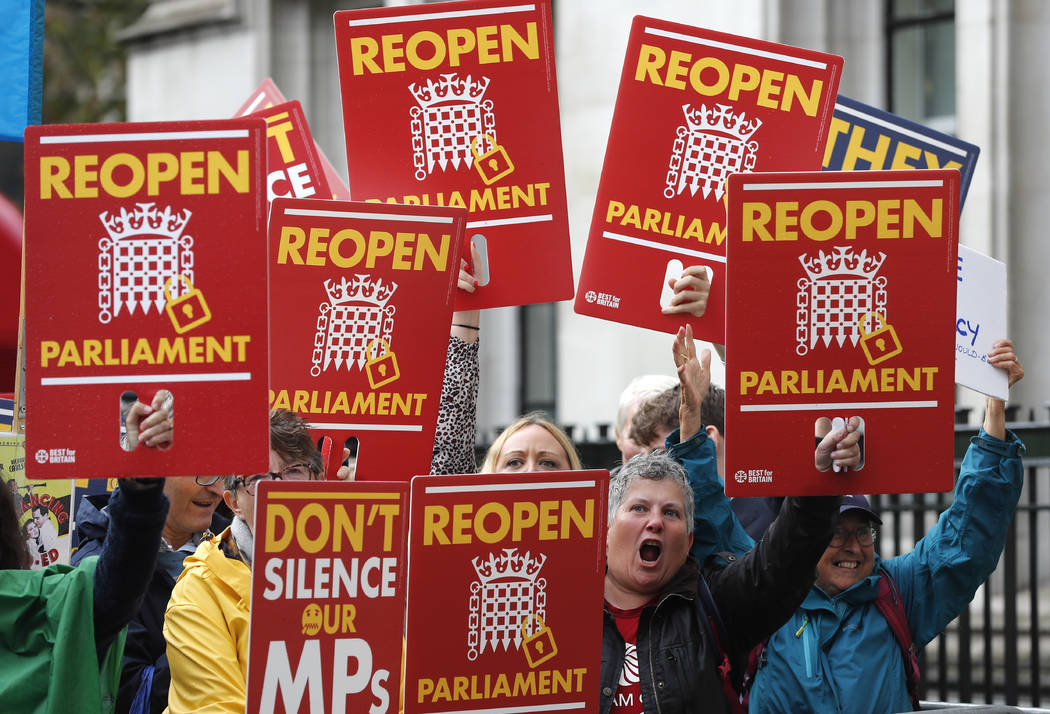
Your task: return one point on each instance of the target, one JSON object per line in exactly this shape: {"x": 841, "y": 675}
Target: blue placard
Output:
{"x": 21, "y": 65}
{"x": 863, "y": 138}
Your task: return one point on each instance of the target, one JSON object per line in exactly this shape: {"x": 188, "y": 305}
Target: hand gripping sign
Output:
{"x": 456, "y": 104}
{"x": 361, "y": 297}
{"x": 519, "y": 560}
{"x": 328, "y": 597}
{"x": 694, "y": 106}
{"x": 265, "y": 96}
{"x": 842, "y": 304}
{"x": 133, "y": 234}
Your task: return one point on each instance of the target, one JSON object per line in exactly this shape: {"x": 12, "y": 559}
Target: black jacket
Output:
{"x": 755, "y": 594}
{"x": 145, "y": 643}
{"x": 756, "y": 513}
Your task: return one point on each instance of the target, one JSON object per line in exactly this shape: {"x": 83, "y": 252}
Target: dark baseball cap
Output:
{"x": 857, "y": 502}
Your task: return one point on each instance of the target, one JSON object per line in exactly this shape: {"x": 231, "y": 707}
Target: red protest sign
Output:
{"x": 456, "y": 104}
{"x": 328, "y": 597}
{"x": 267, "y": 95}
{"x": 132, "y": 233}
{"x": 694, "y": 106}
{"x": 293, "y": 164}
{"x": 842, "y": 288}
{"x": 506, "y": 575}
{"x": 361, "y": 302}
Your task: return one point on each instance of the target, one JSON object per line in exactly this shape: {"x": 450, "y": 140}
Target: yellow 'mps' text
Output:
{"x": 427, "y": 50}
{"x": 823, "y": 220}
{"x": 493, "y": 522}
{"x": 348, "y": 248}
{"x": 711, "y": 77}
{"x": 122, "y": 175}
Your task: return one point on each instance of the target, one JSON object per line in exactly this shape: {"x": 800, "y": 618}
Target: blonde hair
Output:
{"x": 488, "y": 466}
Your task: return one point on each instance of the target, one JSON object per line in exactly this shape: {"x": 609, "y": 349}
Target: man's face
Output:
{"x": 191, "y": 508}
{"x": 648, "y": 540}
{"x": 624, "y": 441}
{"x": 39, "y": 518}
{"x": 843, "y": 566}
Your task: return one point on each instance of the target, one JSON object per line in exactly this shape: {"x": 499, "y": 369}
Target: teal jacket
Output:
{"x": 715, "y": 526}
{"x": 837, "y": 654}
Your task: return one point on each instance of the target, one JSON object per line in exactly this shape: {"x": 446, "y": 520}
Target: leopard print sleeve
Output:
{"x": 458, "y": 411}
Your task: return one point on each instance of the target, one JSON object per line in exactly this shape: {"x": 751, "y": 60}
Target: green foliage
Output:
{"x": 84, "y": 64}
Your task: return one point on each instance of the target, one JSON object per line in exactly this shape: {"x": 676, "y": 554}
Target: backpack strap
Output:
{"x": 888, "y": 601}
{"x": 756, "y": 659}
{"x": 708, "y": 612}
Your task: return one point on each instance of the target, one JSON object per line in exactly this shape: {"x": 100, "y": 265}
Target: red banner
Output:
{"x": 504, "y": 592}
{"x": 456, "y": 104}
{"x": 361, "y": 301}
{"x": 292, "y": 161}
{"x": 842, "y": 288}
{"x": 328, "y": 597}
{"x": 267, "y": 95}
{"x": 133, "y": 233}
{"x": 694, "y": 107}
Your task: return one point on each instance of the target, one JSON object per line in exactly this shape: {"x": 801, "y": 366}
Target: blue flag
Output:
{"x": 21, "y": 66}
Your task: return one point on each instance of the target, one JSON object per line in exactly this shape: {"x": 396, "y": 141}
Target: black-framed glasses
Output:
{"x": 298, "y": 471}
{"x": 206, "y": 480}
{"x": 865, "y": 536}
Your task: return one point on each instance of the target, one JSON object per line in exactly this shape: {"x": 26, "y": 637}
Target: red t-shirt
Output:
{"x": 628, "y": 697}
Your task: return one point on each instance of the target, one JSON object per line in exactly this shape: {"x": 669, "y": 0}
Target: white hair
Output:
{"x": 638, "y": 390}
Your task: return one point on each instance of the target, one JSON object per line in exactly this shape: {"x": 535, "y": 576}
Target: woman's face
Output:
{"x": 530, "y": 449}
{"x": 31, "y": 530}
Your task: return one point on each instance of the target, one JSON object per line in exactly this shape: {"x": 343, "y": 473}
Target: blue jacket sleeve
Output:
{"x": 941, "y": 575}
{"x": 715, "y": 526}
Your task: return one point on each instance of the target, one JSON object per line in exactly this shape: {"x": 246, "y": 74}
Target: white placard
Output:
{"x": 980, "y": 321}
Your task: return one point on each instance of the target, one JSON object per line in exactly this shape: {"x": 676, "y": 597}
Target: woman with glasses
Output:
{"x": 837, "y": 653}
{"x": 207, "y": 616}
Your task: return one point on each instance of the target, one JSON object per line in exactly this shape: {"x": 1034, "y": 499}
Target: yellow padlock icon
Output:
{"x": 381, "y": 369}
{"x": 881, "y": 343}
{"x": 494, "y": 164}
{"x": 539, "y": 646}
{"x": 187, "y": 311}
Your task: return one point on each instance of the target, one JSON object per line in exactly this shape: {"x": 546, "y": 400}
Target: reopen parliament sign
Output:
{"x": 361, "y": 298}
{"x": 456, "y": 104}
{"x": 694, "y": 106}
{"x": 842, "y": 304}
{"x": 505, "y": 582}
{"x": 133, "y": 234}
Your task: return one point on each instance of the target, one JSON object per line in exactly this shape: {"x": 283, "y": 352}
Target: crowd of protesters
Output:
{"x": 709, "y": 604}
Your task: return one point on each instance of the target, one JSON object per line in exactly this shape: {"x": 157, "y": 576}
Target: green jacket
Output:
{"x": 47, "y": 643}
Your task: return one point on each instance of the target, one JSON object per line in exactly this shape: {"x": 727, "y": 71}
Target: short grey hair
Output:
{"x": 656, "y": 466}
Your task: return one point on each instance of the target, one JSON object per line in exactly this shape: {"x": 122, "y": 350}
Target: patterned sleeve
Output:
{"x": 458, "y": 413}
